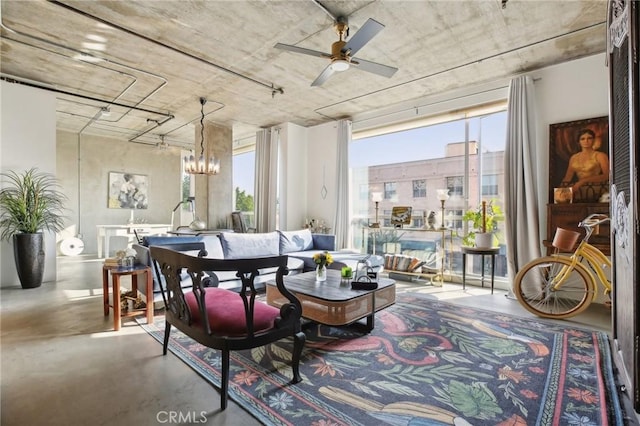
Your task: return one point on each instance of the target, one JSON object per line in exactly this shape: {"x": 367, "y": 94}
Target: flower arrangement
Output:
{"x": 323, "y": 259}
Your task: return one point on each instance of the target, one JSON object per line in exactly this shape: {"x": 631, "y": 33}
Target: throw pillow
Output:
{"x": 292, "y": 241}
{"x": 243, "y": 246}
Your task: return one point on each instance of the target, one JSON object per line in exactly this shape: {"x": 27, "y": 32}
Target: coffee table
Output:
{"x": 333, "y": 302}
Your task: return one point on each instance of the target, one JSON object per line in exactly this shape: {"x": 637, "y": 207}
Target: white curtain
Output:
{"x": 266, "y": 179}
{"x": 341, "y": 219}
{"x": 521, "y": 199}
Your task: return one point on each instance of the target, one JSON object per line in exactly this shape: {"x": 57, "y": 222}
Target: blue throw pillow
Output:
{"x": 294, "y": 241}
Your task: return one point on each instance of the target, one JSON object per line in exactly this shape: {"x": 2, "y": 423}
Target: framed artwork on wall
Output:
{"x": 579, "y": 160}
{"x": 128, "y": 191}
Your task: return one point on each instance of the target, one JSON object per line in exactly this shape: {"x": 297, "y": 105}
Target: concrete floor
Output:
{"x": 61, "y": 363}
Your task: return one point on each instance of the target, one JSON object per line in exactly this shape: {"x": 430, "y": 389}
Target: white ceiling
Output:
{"x": 153, "y": 60}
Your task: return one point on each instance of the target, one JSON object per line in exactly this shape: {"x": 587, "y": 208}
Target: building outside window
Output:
{"x": 410, "y": 166}
{"x": 419, "y": 188}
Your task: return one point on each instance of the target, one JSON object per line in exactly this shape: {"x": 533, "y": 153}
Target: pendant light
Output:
{"x": 203, "y": 166}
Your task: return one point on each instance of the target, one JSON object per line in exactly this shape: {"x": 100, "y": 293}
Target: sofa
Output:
{"x": 299, "y": 246}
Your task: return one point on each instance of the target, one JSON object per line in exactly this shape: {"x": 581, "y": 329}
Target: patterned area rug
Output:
{"x": 426, "y": 363}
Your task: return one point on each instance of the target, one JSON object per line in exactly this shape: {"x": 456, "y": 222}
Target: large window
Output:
{"x": 465, "y": 156}
{"x": 243, "y": 184}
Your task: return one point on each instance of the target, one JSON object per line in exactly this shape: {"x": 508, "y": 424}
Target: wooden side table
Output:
{"x": 493, "y": 251}
{"x": 116, "y": 272}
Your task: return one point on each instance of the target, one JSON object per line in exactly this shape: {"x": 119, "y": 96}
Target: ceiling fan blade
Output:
{"x": 302, "y": 50}
{"x": 374, "y": 67}
{"x": 362, "y": 36}
{"x": 324, "y": 76}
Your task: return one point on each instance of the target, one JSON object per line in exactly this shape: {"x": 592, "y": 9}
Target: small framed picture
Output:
{"x": 562, "y": 195}
{"x": 401, "y": 215}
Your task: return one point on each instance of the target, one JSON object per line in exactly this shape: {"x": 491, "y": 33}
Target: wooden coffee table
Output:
{"x": 333, "y": 302}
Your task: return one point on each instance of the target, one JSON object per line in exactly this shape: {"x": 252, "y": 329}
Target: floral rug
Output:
{"x": 426, "y": 363}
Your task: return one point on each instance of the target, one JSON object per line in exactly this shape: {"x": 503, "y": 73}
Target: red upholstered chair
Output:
{"x": 223, "y": 319}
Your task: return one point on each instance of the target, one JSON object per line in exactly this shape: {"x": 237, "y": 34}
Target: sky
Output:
{"x": 243, "y": 171}
{"x": 409, "y": 145}
{"x": 428, "y": 142}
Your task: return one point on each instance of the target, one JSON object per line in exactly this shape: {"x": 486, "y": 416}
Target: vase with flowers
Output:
{"x": 322, "y": 260}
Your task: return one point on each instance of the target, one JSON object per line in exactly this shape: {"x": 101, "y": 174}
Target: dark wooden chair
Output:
{"x": 222, "y": 319}
{"x": 239, "y": 223}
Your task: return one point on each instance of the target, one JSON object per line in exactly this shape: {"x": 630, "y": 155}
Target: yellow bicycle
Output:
{"x": 561, "y": 285}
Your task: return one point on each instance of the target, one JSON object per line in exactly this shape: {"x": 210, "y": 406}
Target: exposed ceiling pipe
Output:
{"x": 18, "y": 80}
{"x": 274, "y": 90}
{"x": 477, "y": 61}
{"x": 162, "y": 136}
{"x": 163, "y": 83}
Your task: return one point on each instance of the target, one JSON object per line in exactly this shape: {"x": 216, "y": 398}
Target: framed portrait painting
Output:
{"x": 128, "y": 191}
{"x": 579, "y": 161}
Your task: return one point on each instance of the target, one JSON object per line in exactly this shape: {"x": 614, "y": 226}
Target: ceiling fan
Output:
{"x": 342, "y": 51}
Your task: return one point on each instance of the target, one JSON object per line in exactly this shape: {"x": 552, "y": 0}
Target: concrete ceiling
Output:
{"x": 149, "y": 62}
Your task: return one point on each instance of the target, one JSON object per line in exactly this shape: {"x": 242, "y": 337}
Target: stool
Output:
{"x": 116, "y": 272}
{"x": 482, "y": 252}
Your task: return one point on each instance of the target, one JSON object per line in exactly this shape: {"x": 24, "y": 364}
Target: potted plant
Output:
{"x": 484, "y": 222}
{"x": 29, "y": 204}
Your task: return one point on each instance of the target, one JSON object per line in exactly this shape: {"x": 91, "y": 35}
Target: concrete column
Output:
{"x": 214, "y": 194}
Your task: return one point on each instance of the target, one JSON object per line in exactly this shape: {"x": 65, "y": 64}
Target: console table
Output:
{"x": 104, "y": 232}
{"x": 444, "y": 251}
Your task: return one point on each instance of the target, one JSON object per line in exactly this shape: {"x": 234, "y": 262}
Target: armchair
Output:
{"x": 222, "y": 319}
{"x": 239, "y": 223}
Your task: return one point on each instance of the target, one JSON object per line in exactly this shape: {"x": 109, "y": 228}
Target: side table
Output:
{"x": 493, "y": 251}
{"x": 116, "y": 272}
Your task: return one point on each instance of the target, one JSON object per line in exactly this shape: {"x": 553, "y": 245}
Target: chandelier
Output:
{"x": 203, "y": 166}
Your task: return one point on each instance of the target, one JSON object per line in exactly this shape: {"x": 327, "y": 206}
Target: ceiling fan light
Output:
{"x": 339, "y": 65}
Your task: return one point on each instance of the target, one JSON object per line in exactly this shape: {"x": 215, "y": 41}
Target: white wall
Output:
{"x": 293, "y": 185}
{"x": 321, "y": 172}
{"x": 28, "y": 139}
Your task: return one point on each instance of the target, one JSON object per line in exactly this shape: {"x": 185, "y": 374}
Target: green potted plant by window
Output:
{"x": 29, "y": 204}
{"x": 484, "y": 222}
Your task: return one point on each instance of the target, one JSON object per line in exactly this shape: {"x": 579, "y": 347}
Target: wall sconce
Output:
{"x": 443, "y": 195}
{"x": 376, "y": 197}
{"x": 210, "y": 166}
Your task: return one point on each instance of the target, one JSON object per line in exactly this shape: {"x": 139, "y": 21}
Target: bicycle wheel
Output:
{"x": 551, "y": 288}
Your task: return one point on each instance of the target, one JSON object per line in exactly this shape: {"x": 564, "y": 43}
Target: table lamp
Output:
{"x": 443, "y": 195}
{"x": 376, "y": 197}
